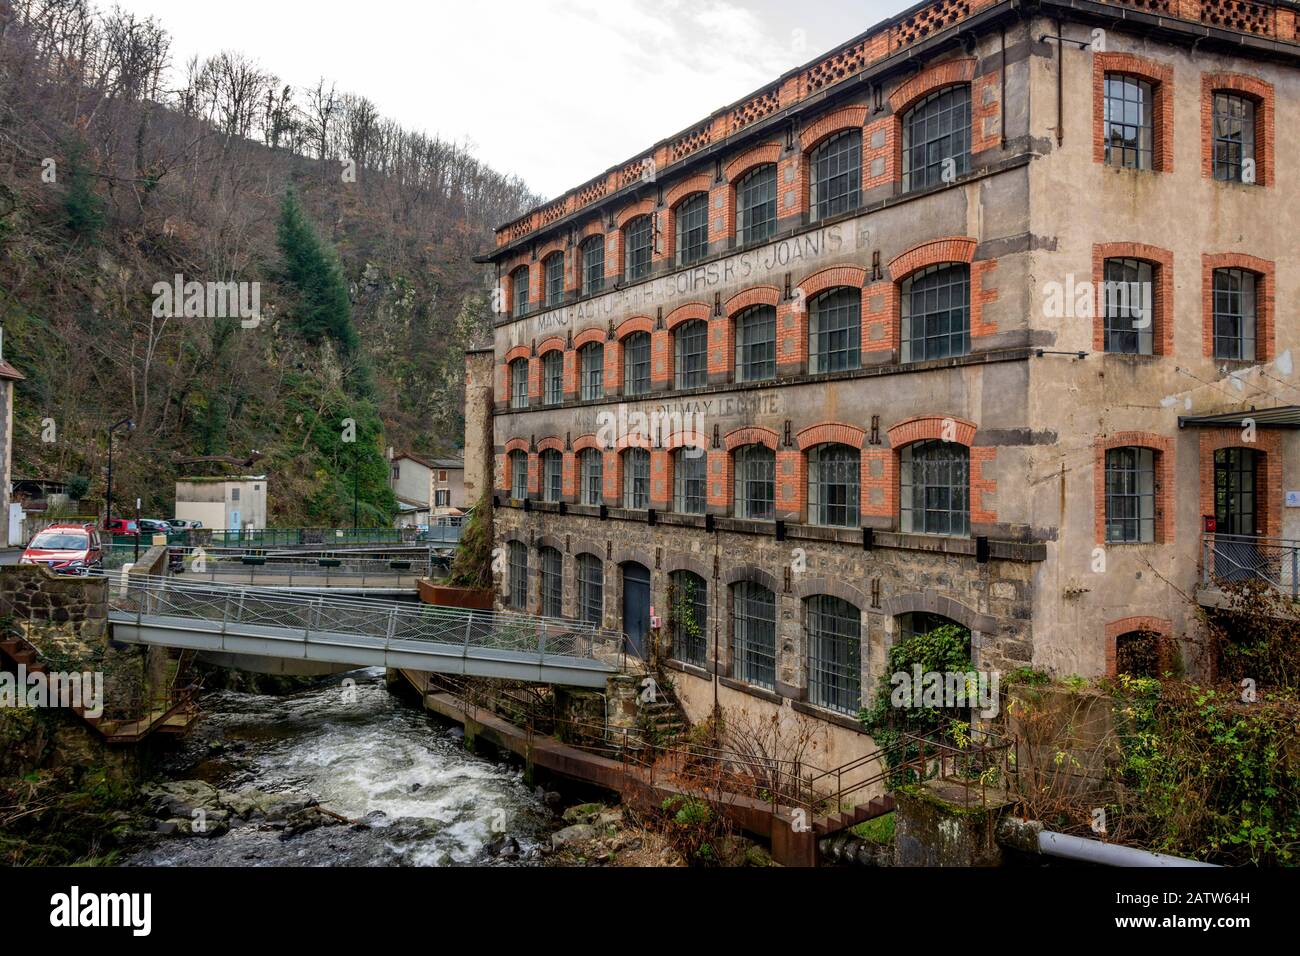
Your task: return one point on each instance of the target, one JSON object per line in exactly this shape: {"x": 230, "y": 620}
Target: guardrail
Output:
{"x": 331, "y": 537}
{"x": 1232, "y": 558}
{"x": 227, "y": 605}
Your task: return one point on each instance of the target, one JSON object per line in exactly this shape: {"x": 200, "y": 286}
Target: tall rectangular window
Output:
{"x": 835, "y": 331}
{"x": 1128, "y": 307}
{"x": 593, "y": 265}
{"x": 636, "y": 364}
{"x": 1234, "y": 314}
{"x": 1234, "y": 138}
{"x": 519, "y": 289}
{"x": 518, "y": 575}
{"x": 1129, "y": 129}
{"x": 834, "y": 475}
{"x": 592, "y": 371}
{"x": 636, "y": 479}
{"x": 689, "y": 616}
{"x": 755, "y": 467}
{"x": 936, "y": 313}
{"x": 756, "y": 344}
{"x": 693, "y": 229}
{"x": 1130, "y": 495}
{"x": 691, "y": 358}
{"x": 753, "y": 633}
{"x": 552, "y": 475}
{"x": 519, "y": 383}
{"x": 591, "y": 590}
{"x": 756, "y": 205}
{"x": 834, "y": 636}
{"x": 553, "y": 377}
{"x": 592, "y": 476}
{"x": 638, "y": 243}
{"x": 554, "y": 266}
{"x": 518, "y": 475}
{"x": 835, "y": 175}
{"x": 689, "y": 481}
{"x": 552, "y": 583}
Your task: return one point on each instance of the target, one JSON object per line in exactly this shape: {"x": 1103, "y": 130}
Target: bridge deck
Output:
{"x": 363, "y": 633}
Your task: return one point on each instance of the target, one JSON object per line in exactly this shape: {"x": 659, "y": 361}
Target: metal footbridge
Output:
{"x": 332, "y": 629}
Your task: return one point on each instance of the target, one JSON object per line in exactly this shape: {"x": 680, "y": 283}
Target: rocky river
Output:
{"x": 341, "y": 773}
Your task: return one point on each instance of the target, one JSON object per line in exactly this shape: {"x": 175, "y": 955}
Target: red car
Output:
{"x": 66, "y": 549}
{"x": 121, "y": 526}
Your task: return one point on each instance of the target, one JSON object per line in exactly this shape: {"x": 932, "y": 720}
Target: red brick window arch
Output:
{"x": 934, "y": 474}
{"x": 1133, "y": 121}
{"x": 1238, "y": 296}
{"x": 1133, "y": 488}
{"x": 1134, "y": 286}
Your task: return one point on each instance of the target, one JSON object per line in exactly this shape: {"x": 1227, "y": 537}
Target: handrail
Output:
{"x": 502, "y": 630}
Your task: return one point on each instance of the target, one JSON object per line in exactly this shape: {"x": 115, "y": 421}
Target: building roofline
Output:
{"x": 983, "y": 13}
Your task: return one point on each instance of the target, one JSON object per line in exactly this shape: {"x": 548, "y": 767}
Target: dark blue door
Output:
{"x": 636, "y": 606}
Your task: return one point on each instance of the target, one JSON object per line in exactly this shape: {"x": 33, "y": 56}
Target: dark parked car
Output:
{"x": 154, "y": 526}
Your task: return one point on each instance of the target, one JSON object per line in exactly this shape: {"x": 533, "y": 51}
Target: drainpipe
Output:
{"x": 1030, "y": 836}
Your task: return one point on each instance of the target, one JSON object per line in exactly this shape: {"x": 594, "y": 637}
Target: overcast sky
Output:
{"x": 555, "y": 91}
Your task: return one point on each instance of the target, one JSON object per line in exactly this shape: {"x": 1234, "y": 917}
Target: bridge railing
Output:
{"x": 229, "y": 605}
{"x": 331, "y": 537}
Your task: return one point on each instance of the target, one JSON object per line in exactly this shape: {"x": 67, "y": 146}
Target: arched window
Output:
{"x": 591, "y": 358}
{"x": 552, "y": 475}
{"x": 1129, "y": 130}
{"x": 936, "y": 138}
{"x": 553, "y": 270}
{"x": 835, "y": 175}
{"x": 934, "y": 488}
{"x": 638, "y": 246}
{"x": 936, "y": 312}
{"x": 689, "y": 464}
{"x": 553, "y": 377}
{"x": 1234, "y": 137}
{"x": 756, "y": 344}
{"x": 1130, "y": 495}
{"x": 636, "y": 364}
{"x": 519, "y": 291}
{"x": 756, "y": 204}
{"x": 688, "y": 617}
{"x": 834, "y": 473}
{"x": 691, "y": 354}
{"x": 755, "y": 482}
{"x": 518, "y": 575}
{"x": 1128, "y": 309}
{"x": 1234, "y": 314}
{"x": 636, "y": 479}
{"x": 592, "y": 484}
{"x": 519, "y": 383}
{"x": 835, "y": 330}
{"x": 753, "y": 634}
{"x": 591, "y": 590}
{"x": 593, "y": 264}
{"x": 692, "y": 217}
{"x": 833, "y": 628}
{"x": 552, "y": 582}
{"x": 518, "y": 475}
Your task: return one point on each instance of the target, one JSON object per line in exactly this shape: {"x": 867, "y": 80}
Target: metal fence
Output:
{"x": 226, "y": 605}
{"x": 331, "y": 537}
{"x": 1232, "y": 558}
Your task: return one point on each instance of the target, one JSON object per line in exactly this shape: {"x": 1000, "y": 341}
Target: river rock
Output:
{"x": 579, "y": 833}
{"x": 180, "y": 798}
{"x": 583, "y": 813}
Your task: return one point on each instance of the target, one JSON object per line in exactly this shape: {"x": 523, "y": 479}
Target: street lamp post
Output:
{"x": 108, "y": 504}
{"x": 356, "y": 460}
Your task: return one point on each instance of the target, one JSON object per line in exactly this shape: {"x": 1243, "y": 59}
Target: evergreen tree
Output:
{"x": 324, "y": 309}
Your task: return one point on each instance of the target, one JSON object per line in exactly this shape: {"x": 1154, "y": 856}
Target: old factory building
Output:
{"x": 983, "y": 318}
